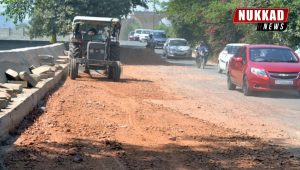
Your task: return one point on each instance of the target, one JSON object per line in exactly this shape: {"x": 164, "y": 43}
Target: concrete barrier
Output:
{"x": 24, "y": 103}
{"x": 21, "y": 59}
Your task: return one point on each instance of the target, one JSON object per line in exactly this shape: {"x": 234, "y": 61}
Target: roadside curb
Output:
{"x": 21, "y": 106}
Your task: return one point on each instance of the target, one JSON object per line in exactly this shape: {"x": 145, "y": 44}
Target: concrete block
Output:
{"x": 40, "y": 70}
{"x": 36, "y": 77}
{"x": 8, "y": 91}
{"x": 59, "y": 67}
{"x": 62, "y": 61}
{"x": 17, "y": 88}
{"x": 12, "y": 74}
{"x": 31, "y": 68}
{"x": 54, "y": 68}
{"x": 3, "y": 103}
{"x": 63, "y": 57}
{"x": 44, "y": 76}
{"x": 66, "y": 53}
{"x": 46, "y": 60}
{"x": 27, "y": 77}
{"x": 51, "y": 74}
{"x": 23, "y": 83}
{"x": 5, "y": 95}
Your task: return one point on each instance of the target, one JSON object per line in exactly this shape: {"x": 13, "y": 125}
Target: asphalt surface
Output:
{"x": 276, "y": 113}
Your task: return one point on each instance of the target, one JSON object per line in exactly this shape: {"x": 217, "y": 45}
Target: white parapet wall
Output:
{"x": 21, "y": 59}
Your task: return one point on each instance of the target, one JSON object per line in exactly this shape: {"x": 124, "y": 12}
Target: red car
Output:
{"x": 264, "y": 68}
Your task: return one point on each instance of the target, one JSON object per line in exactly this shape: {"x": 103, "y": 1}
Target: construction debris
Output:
{"x": 28, "y": 78}
{"x": 46, "y": 60}
{"x": 12, "y": 75}
{"x": 62, "y": 61}
{"x": 16, "y": 88}
{"x": 23, "y": 83}
{"x": 5, "y": 95}
{"x": 66, "y": 53}
{"x": 36, "y": 77}
{"x": 8, "y": 91}
{"x": 41, "y": 70}
{"x": 3, "y": 103}
{"x": 43, "y": 76}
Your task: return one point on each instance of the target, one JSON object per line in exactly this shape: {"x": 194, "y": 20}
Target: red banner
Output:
{"x": 260, "y": 15}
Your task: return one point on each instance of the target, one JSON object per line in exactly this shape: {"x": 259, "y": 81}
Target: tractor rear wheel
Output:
{"x": 73, "y": 69}
{"x": 74, "y": 50}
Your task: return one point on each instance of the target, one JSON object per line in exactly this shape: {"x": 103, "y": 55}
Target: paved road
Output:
{"x": 273, "y": 116}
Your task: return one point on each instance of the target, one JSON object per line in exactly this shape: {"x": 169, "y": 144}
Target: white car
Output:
{"x": 144, "y": 36}
{"x": 226, "y": 54}
{"x": 140, "y": 34}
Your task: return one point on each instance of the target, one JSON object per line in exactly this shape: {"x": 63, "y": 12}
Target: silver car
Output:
{"x": 177, "y": 48}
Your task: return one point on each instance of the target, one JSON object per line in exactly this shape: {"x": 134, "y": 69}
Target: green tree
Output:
{"x": 168, "y": 28}
{"x": 54, "y": 17}
{"x": 211, "y": 21}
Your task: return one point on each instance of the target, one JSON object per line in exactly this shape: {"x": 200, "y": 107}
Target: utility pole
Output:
{"x": 154, "y": 12}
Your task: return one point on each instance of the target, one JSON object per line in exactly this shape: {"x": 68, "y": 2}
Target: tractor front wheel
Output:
{"x": 114, "y": 72}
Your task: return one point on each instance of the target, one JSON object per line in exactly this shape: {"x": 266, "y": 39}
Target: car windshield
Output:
{"x": 138, "y": 31}
{"x": 178, "y": 43}
{"x": 272, "y": 55}
{"x": 159, "y": 35}
{"x": 145, "y": 32}
{"x": 232, "y": 49}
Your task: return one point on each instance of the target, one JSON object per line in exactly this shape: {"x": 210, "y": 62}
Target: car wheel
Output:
{"x": 246, "y": 90}
{"x": 226, "y": 68}
{"x": 230, "y": 85}
{"x": 219, "y": 69}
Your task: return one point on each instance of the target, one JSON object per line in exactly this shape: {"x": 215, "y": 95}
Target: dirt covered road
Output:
{"x": 93, "y": 123}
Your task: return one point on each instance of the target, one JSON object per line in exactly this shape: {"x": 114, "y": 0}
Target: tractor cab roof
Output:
{"x": 95, "y": 20}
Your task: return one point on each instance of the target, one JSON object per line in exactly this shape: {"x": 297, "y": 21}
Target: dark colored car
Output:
{"x": 158, "y": 39}
{"x": 131, "y": 36}
{"x": 264, "y": 68}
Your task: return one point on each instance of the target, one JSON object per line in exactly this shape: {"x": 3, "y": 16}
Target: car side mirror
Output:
{"x": 225, "y": 52}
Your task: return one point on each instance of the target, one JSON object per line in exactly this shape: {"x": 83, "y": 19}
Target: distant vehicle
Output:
{"x": 176, "y": 48}
{"x": 202, "y": 54}
{"x": 139, "y": 32}
{"x": 264, "y": 68}
{"x": 158, "y": 39}
{"x": 131, "y": 36}
{"x": 94, "y": 44}
{"x": 144, "y": 36}
{"x": 226, "y": 54}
